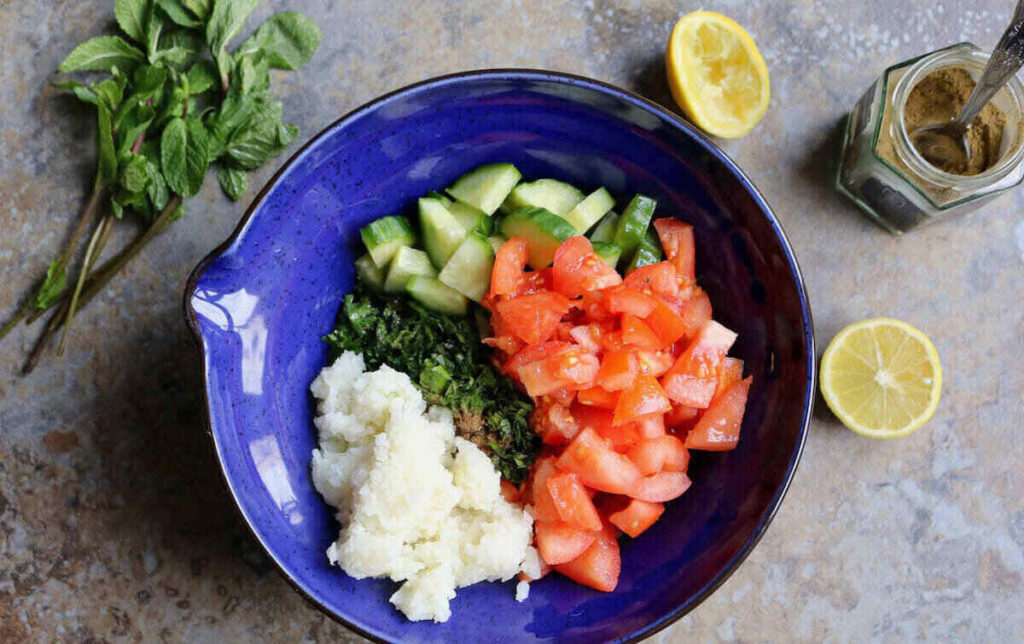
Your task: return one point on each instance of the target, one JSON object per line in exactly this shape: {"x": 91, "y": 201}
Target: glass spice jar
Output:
{"x": 884, "y": 174}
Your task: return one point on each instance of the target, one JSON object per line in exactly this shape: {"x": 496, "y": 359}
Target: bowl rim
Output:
{"x": 630, "y": 97}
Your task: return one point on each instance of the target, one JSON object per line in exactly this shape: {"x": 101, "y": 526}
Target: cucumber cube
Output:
{"x": 469, "y": 269}
{"x": 485, "y": 187}
{"x": 552, "y": 195}
{"x": 385, "y": 236}
{"x": 543, "y": 231}
{"x": 441, "y": 232}
{"x": 586, "y": 213}
{"x": 434, "y": 295}
{"x": 369, "y": 273}
{"x": 633, "y": 225}
{"x": 406, "y": 263}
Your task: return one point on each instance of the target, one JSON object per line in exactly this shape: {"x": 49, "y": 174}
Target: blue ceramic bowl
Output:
{"x": 260, "y": 303}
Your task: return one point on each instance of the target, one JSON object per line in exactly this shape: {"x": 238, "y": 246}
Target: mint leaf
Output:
{"x": 227, "y": 17}
{"x": 134, "y": 124}
{"x": 173, "y": 143}
{"x": 107, "y": 169}
{"x": 154, "y": 27}
{"x": 80, "y": 91}
{"x": 261, "y": 137}
{"x": 100, "y": 54}
{"x": 132, "y": 16}
{"x": 157, "y": 188}
{"x": 252, "y": 74}
{"x": 178, "y": 13}
{"x": 201, "y": 76}
{"x": 149, "y": 83}
{"x": 110, "y": 92}
{"x": 197, "y": 155}
{"x": 51, "y": 288}
{"x": 232, "y": 181}
{"x": 132, "y": 176}
{"x": 287, "y": 40}
{"x": 200, "y": 8}
{"x": 179, "y": 48}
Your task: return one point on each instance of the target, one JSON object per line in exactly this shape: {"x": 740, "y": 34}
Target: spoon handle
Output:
{"x": 1004, "y": 62}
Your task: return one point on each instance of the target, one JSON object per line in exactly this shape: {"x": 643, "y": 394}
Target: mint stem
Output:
{"x": 99, "y": 278}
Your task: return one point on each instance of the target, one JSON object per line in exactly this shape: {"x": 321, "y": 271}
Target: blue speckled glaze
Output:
{"x": 261, "y": 302}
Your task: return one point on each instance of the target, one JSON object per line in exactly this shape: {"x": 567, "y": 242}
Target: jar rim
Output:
{"x": 964, "y": 56}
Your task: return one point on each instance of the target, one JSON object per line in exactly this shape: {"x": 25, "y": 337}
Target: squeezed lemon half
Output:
{"x": 881, "y": 377}
{"x": 716, "y": 74}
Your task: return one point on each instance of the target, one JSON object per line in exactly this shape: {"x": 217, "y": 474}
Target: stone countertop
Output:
{"x": 114, "y": 523}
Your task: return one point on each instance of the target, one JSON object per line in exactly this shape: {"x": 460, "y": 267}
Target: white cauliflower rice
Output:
{"x": 416, "y": 503}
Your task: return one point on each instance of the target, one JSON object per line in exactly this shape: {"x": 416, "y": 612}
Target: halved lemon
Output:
{"x": 881, "y": 377}
{"x": 716, "y": 74}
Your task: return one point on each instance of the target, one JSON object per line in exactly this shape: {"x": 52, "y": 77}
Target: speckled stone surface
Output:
{"x": 114, "y": 523}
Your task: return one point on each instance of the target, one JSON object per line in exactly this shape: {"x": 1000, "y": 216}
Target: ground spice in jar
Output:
{"x": 938, "y": 98}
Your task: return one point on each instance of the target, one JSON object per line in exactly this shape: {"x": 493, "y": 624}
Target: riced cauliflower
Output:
{"x": 416, "y": 503}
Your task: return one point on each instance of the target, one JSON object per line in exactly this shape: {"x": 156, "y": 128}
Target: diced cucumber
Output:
{"x": 586, "y": 213}
{"x": 431, "y": 293}
{"x": 633, "y": 224}
{"x": 433, "y": 194}
{"x": 442, "y": 233}
{"x": 385, "y": 236}
{"x": 552, "y": 195}
{"x": 648, "y": 251}
{"x": 469, "y": 269}
{"x": 486, "y": 187}
{"x": 605, "y": 231}
{"x": 496, "y": 242}
{"x": 470, "y": 218}
{"x": 406, "y": 263}
{"x": 543, "y": 231}
{"x": 608, "y": 253}
{"x": 370, "y": 273}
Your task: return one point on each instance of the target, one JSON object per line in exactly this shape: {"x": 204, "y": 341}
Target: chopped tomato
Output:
{"x": 636, "y": 517}
{"x": 718, "y": 430}
{"x": 592, "y": 304}
{"x": 534, "y": 317}
{"x": 618, "y": 369}
{"x": 598, "y": 397}
{"x": 570, "y": 368}
{"x": 661, "y": 487}
{"x": 509, "y": 264}
{"x": 645, "y": 397}
{"x": 677, "y": 240}
{"x": 729, "y": 373}
{"x": 657, "y": 454}
{"x": 598, "y": 465}
{"x": 651, "y": 426}
{"x": 680, "y": 415}
{"x": 654, "y": 363}
{"x": 695, "y": 312}
{"x": 559, "y": 542}
{"x": 534, "y": 282}
{"x": 659, "y": 279}
{"x": 543, "y": 505}
{"x": 578, "y": 270}
{"x": 553, "y": 422}
{"x": 666, "y": 324}
{"x": 509, "y": 492}
{"x": 599, "y": 566}
{"x": 620, "y": 437}
{"x": 638, "y": 334}
{"x": 612, "y": 341}
{"x": 533, "y": 353}
{"x": 507, "y": 344}
{"x": 622, "y": 299}
{"x": 562, "y": 396}
{"x": 572, "y": 501}
{"x": 694, "y": 376}
{"x": 587, "y": 336}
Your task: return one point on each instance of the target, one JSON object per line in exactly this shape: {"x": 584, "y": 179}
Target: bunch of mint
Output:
{"x": 173, "y": 102}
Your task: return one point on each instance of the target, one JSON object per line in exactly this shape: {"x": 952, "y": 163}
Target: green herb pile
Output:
{"x": 445, "y": 358}
{"x": 173, "y": 102}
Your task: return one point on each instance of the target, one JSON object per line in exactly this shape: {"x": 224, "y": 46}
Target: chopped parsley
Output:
{"x": 444, "y": 357}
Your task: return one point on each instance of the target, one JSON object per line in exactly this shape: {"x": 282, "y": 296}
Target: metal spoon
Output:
{"x": 945, "y": 144}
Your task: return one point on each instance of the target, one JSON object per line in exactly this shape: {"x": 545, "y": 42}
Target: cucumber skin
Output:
{"x": 648, "y": 251}
{"x": 400, "y": 234}
{"x": 608, "y": 253}
{"x": 436, "y": 296}
{"x": 530, "y": 223}
{"x": 633, "y": 224}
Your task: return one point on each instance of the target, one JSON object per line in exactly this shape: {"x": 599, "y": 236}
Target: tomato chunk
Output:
{"x": 661, "y": 487}
{"x": 693, "y": 378}
{"x": 654, "y": 363}
{"x": 677, "y": 240}
{"x": 599, "y": 466}
{"x": 534, "y": 317}
{"x": 718, "y": 430}
{"x": 570, "y": 368}
{"x": 559, "y": 542}
{"x": 638, "y": 334}
{"x": 577, "y": 269}
{"x": 651, "y": 426}
{"x": 509, "y": 492}
{"x": 509, "y": 264}
{"x": 657, "y": 454}
{"x": 666, "y": 324}
{"x": 645, "y": 397}
{"x": 729, "y": 373}
{"x": 533, "y": 353}
{"x": 543, "y": 505}
{"x": 694, "y": 312}
{"x": 636, "y": 517}
{"x": 598, "y": 397}
{"x": 553, "y": 422}
{"x": 623, "y": 299}
{"x": 587, "y": 336}
{"x": 680, "y": 415}
{"x": 534, "y": 282}
{"x": 599, "y": 566}
{"x": 572, "y": 501}
{"x": 618, "y": 369}
{"x": 659, "y": 279}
